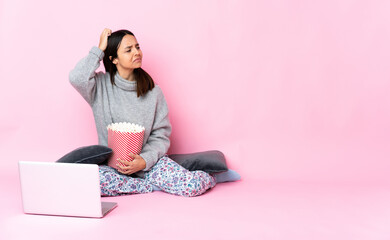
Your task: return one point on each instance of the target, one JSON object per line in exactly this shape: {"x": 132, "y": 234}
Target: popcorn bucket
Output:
{"x": 124, "y": 138}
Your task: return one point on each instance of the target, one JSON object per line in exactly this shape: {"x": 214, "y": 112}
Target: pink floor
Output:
{"x": 247, "y": 209}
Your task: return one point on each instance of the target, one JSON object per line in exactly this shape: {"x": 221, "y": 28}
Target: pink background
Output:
{"x": 288, "y": 90}
{"x": 295, "y": 93}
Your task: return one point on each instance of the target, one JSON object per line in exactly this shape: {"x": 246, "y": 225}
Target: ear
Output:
{"x": 115, "y": 60}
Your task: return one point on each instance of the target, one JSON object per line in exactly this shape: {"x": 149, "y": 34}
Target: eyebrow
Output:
{"x": 131, "y": 46}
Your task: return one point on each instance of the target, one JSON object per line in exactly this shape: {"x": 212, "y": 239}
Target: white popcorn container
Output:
{"x": 124, "y": 138}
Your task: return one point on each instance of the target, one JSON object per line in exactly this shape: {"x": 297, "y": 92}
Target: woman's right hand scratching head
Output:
{"x": 104, "y": 38}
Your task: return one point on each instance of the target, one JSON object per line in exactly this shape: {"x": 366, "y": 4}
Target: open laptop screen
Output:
{"x": 65, "y": 189}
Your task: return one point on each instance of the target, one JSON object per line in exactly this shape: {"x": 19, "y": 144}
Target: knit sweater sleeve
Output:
{"x": 83, "y": 76}
{"x": 158, "y": 142}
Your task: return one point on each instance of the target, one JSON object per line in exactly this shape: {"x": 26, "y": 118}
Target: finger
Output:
{"x": 126, "y": 163}
{"x": 127, "y": 166}
{"x": 123, "y": 172}
{"x": 123, "y": 168}
{"x": 106, "y": 32}
{"x": 128, "y": 172}
{"x": 121, "y": 165}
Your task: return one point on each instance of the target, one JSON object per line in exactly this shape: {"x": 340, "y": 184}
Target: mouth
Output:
{"x": 137, "y": 60}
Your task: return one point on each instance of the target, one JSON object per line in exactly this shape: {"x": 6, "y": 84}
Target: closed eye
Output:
{"x": 129, "y": 47}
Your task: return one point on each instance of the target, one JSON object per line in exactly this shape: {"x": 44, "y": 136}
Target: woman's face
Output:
{"x": 129, "y": 54}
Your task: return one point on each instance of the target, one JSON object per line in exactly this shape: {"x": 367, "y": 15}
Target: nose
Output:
{"x": 136, "y": 51}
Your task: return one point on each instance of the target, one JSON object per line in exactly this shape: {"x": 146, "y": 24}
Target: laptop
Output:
{"x": 62, "y": 189}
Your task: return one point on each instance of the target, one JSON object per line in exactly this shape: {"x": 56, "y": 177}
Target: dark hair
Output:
{"x": 143, "y": 79}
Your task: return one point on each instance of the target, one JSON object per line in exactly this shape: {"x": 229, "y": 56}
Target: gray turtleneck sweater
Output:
{"x": 119, "y": 103}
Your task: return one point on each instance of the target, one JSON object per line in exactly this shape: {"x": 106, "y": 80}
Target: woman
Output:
{"x": 126, "y": 93}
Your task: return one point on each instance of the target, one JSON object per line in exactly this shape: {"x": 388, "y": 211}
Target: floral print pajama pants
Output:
{"x": 165, "y": 174}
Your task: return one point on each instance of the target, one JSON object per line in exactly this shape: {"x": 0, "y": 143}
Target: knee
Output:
{"x": 195, "y": 189}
